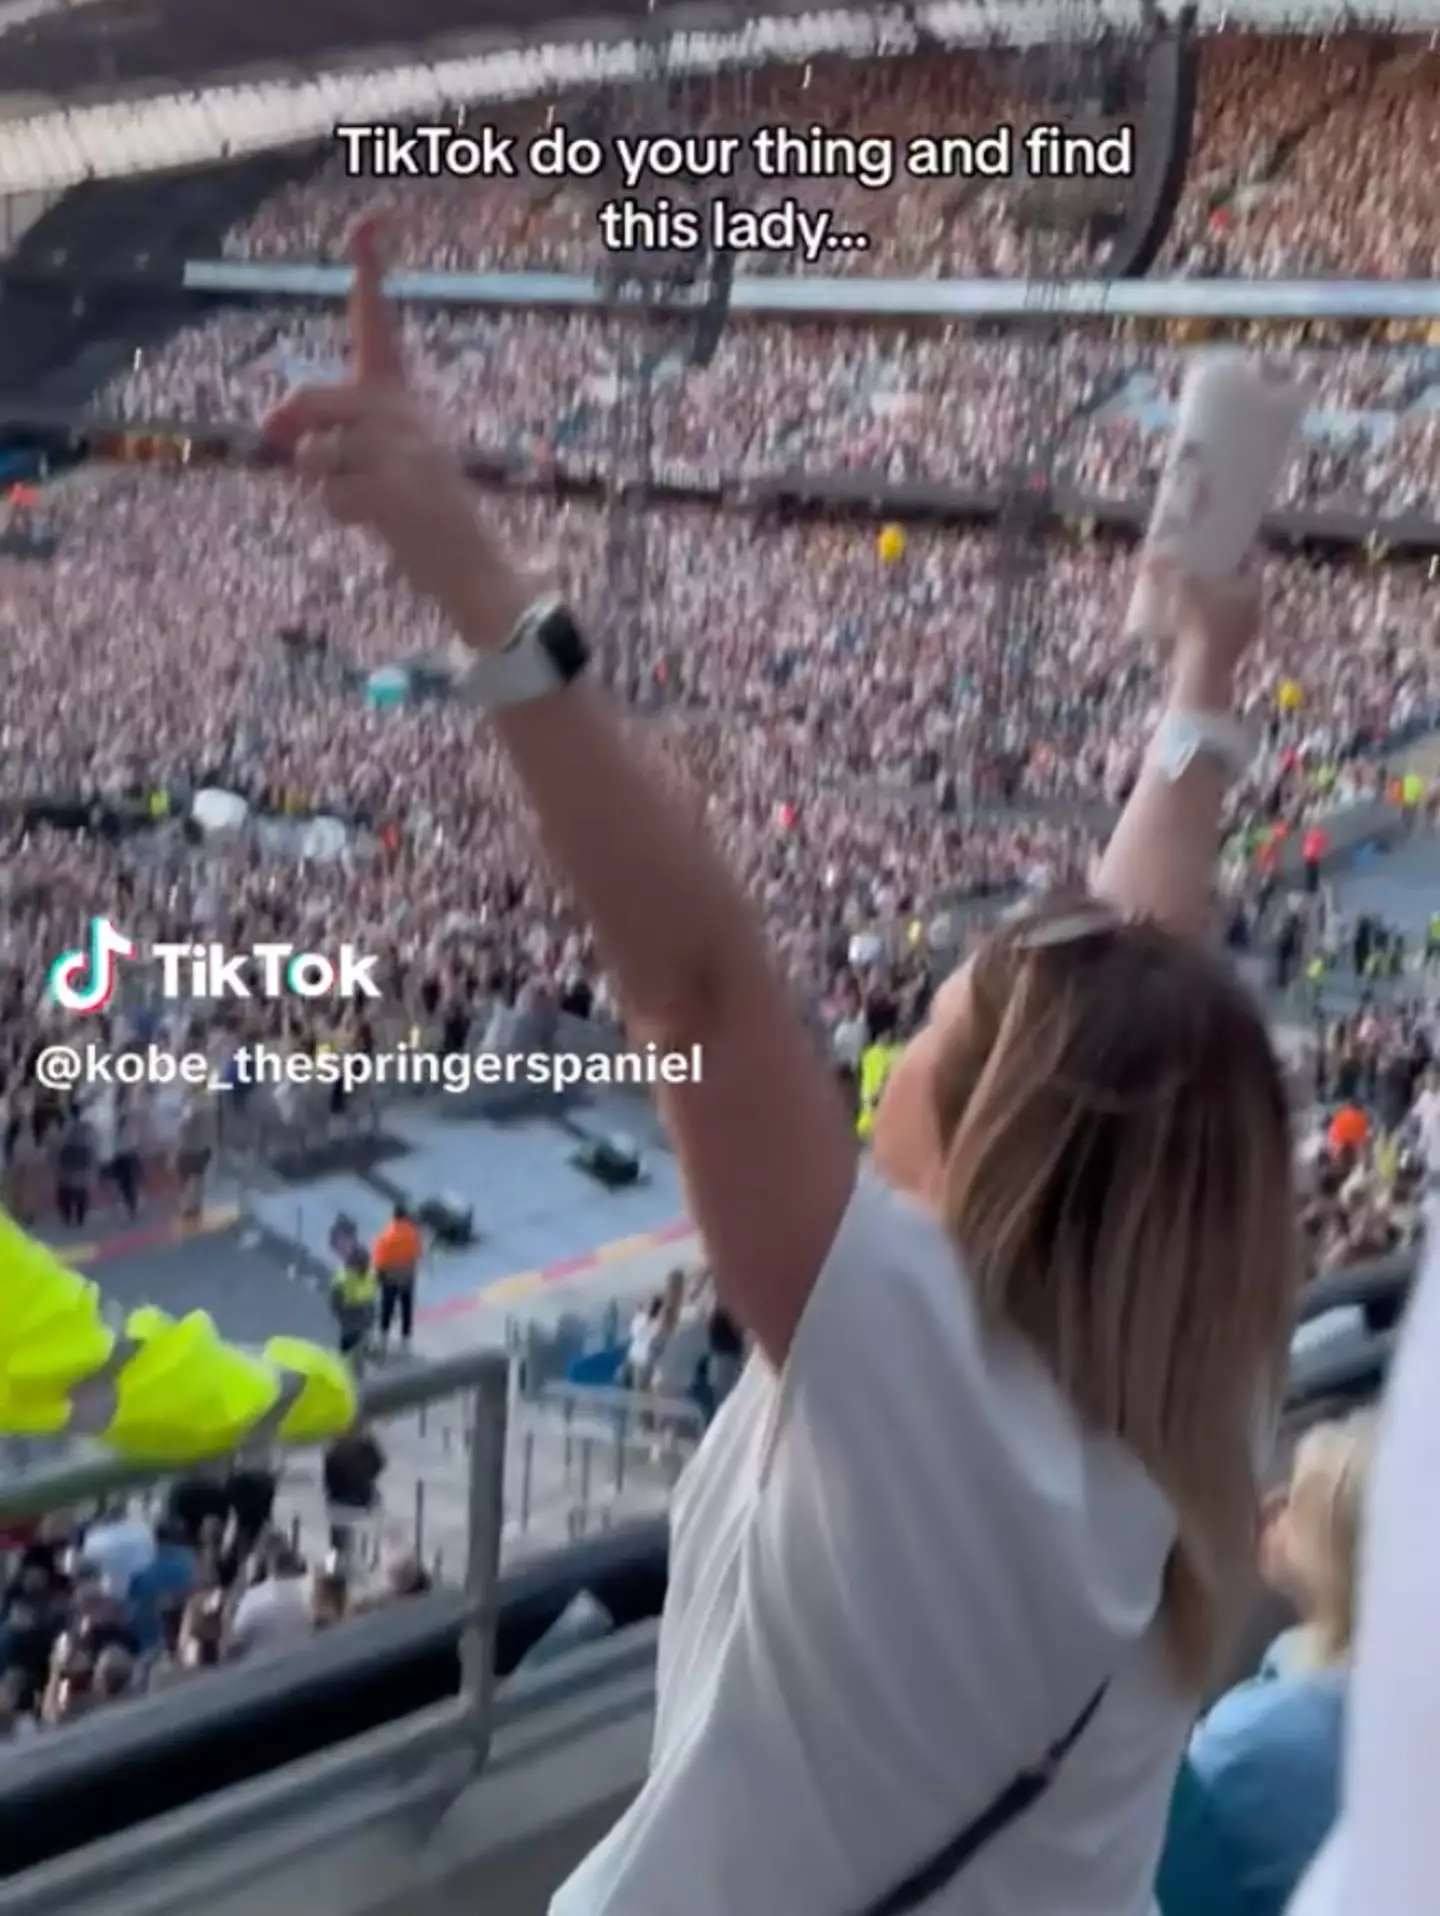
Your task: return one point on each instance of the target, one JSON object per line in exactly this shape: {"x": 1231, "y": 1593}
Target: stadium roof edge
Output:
{"x": 615, "y": 19}
{"x": 1000, "y": 20}
{"x": 14, "y": 13}
{"x": 239, "y": 116}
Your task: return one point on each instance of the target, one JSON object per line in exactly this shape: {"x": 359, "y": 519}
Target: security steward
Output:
{"x": 354, "y": 1298}
{"x": 1432, "y": 940}
{"x": 395, "y": 1259}
{"x": 877, "y": 1061}
{"x": 158, "y": 1389}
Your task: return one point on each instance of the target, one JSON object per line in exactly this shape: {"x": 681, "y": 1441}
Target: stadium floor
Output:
{"x": 1400, "y": 885}
{"x": 219, "y": 1269}
{"x": 537, "y": 1217}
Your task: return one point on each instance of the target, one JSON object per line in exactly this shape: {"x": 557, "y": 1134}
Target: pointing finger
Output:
{"x": 312, "y": 409}
{"x": 374, "y": 325}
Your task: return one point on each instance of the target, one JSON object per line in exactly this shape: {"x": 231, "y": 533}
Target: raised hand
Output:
{"x": 369, "y": 450}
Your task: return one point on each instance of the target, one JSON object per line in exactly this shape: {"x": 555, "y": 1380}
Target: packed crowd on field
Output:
{"x": 132, "y": 671}
{"x": 1312, "y": 155}
{"x": 1374, "y": 1149}
{"x": 746, "y": 660}
{"x": 749, "y": 652}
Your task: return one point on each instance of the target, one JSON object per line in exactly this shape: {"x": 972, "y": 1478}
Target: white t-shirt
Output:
{"x": 1426, "y": 1112}
{"x": 898, "y": 1572}
{"x": 272, "y": 1613}
{"x": 120, "y": 1550}
{"x": 848, "y": 1041}
{"x": 681, "y": 1355}
{"x": 644, "y": 1336}
{"x": 102, "y": 1122}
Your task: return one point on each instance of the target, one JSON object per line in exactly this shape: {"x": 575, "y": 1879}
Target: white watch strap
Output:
{"x": 1182, "y": 737}
{"x": 519, "y": 671}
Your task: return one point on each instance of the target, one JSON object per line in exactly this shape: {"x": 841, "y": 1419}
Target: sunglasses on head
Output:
{"x": 1038, "y": 926}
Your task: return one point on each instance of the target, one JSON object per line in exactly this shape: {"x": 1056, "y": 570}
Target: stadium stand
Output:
{"x": 198, "y": 1740}
{"x": 175, "y": 628}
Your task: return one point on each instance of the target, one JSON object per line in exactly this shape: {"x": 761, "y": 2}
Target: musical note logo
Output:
{"x": 84, "y": 981}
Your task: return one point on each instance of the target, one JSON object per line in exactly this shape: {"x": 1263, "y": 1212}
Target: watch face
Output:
{"x": 561, "y": 638}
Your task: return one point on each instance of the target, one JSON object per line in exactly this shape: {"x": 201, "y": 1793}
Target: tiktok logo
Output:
{"x": 84, "y": 980}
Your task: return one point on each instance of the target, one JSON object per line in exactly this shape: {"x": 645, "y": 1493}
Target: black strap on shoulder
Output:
{"x": 1018, "y": 1796}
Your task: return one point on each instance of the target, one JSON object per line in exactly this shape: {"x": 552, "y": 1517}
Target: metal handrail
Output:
{"x": 484, "y": 1374}
{"x": 410, "y": 1769}
{"x": 33, "y": 1493}
{"x": 1340, "y": 1372}
{"x": 614, "y": 1400}
{"x": 1377, "y": 1281}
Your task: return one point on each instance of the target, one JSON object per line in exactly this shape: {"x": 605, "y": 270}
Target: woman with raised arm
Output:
{"x": 949, "y": 1571}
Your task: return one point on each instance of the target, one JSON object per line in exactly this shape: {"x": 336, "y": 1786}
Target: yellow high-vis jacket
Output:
{"x": 354, "y": 1289}
{"x": 876, "y": 1063}
{"x": 159, "y": 1390}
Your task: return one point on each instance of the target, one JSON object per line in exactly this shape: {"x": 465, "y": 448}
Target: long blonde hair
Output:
{"x": 1324, "y": 1517}
{"x": 1118, "y": 1173}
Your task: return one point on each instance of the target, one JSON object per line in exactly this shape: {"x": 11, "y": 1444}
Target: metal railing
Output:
{"x": 1376, "y": 1282}
{"x": 580, "y": 1460}
{"x": 612, "y": 1442}
{"x": 482, "y": 1376}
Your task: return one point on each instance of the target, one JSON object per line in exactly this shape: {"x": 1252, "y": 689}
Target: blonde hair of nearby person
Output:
{"x": 1109, "y": 1145}
{"x": 1323, "y": 1519}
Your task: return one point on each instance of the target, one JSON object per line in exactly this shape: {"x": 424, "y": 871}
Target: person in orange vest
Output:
{"x": 1347, "y": 1133}
{"x": 395, "y": 1260}
{"x": 1313, "y": 847}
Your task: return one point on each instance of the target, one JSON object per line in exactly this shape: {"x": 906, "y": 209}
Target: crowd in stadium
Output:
{"x": 182, "y": 690}
{"x": 950, "y": 225}
{"x": 1311, "y": 158}
{"x": 936, "y": 405}
{"x": 820, "y": 698}
{"x": 1369, "y": 1145}
{"x": 98, "y": 1612}
{"x": 133, "y": 681}
{"x": 178, "y": 690}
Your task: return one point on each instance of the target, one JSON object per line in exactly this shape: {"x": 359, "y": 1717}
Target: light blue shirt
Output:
{"x": 1268, "y": 1759}
{"x": 120, "y": 1549}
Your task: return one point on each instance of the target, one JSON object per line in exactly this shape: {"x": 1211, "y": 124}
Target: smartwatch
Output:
{"x": 543, "y": 655}
{"x": 1182, "y": 737}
